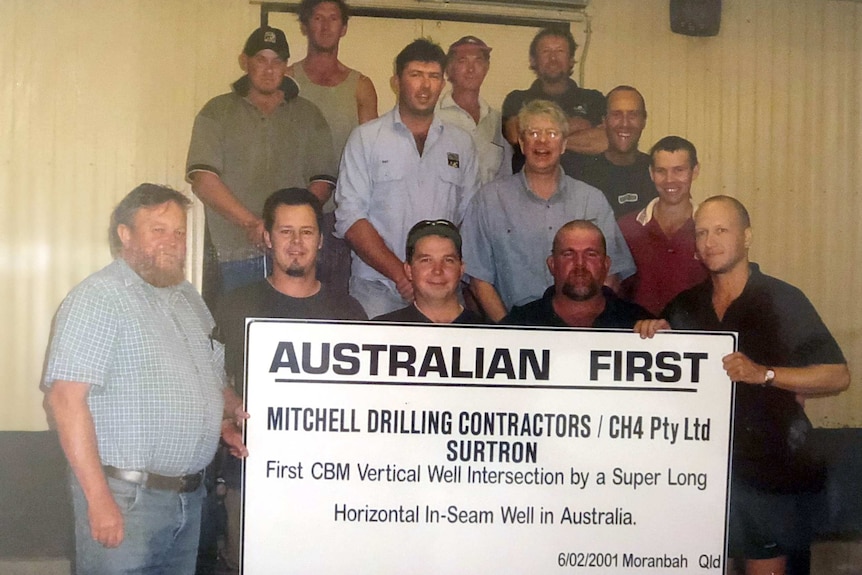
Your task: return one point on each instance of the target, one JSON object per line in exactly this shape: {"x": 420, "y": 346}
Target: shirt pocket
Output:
{"x": 388, "y": 171}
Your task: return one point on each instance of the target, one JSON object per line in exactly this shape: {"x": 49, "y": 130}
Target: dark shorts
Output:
{"x": 765, "y": 525}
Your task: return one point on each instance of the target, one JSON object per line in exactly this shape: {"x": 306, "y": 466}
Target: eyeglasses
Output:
{"x": 534, "y": 134}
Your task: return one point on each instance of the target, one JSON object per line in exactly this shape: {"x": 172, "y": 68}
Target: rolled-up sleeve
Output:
{"x": 353, "y": 191}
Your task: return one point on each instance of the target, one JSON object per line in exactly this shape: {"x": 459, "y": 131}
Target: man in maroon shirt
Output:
{"x": 661, "y": 236}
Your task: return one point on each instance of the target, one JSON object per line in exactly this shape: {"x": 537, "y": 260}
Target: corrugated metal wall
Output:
{"x": 97, "y": 96}
{"x": 773, "y": 104}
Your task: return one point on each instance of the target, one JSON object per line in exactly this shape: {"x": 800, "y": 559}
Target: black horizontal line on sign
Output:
{"x": 494, "y": 385}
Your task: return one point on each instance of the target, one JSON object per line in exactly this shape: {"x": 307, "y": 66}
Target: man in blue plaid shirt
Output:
{"x": 136, "y": 388}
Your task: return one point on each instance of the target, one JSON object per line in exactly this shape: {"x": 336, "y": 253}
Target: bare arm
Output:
{"x": 818, "y": 379}
{"x": 368, "y": 244}
{"x": 67, "y": 401}
{"x": 586, "y": 139}
{"x": 613, "y": 282}
{"x": 366, "y": 100}
{"x": 215, "y": 194}
{"x": 510, "y": 130}
{"x": 489, "y": 299}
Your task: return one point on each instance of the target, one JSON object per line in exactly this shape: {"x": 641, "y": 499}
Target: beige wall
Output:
{"x": 97, "y": 96}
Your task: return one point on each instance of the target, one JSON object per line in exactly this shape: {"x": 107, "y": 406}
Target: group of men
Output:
{"x": 548, "y": 209}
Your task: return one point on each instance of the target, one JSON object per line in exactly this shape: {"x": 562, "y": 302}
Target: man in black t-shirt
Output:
{"x": 622, "y": 171}
{"x": 291, "y": 219}
{"x": 434, "y": 267}
{"x": 785, "y": 354}
{"x": 292, "y": 222}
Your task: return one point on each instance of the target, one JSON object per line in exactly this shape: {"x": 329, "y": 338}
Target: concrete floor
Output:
{"x": 836, "y": 558}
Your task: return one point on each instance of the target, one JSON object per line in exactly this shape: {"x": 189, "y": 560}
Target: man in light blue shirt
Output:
{"x": 510, "y": 224}
{"x": 403, "y": 167}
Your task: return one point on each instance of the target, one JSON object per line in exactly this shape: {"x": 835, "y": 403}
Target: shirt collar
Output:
{"x": 288, "y": 86}
{"x": 436, "y": 124}
{"x": 536, "y": 86}
{"x": 561, "y": 184}
{"x": 448, "y": 102}
{"x": 645, "y": 215}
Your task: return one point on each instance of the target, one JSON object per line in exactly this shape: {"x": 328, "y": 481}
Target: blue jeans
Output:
{"x": 161, "y": 531}
{"x": 243, "y": 272}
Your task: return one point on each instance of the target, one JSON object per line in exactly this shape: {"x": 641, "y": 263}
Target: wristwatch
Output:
{"x": 770, "y": 377}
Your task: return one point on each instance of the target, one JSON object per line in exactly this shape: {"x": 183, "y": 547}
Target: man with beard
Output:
{"x": 405, "y": 166}
{"x": 785, "y": 354}
{"x": 552, "y": 58}
{"x": 137, "y": 391}
{"x": 579, "y": 264}
{"x": 292, "y": 219}
{"x": 510, "y": 224}
{"x": 622, "y": 171}
{"x": 346, "y": 98}
{"x": 259, "y": 138}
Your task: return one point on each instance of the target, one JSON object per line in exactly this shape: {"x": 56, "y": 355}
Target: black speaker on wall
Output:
{"x": 695, "y": 17}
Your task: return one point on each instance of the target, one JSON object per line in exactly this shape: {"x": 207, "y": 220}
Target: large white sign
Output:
{"x": 385, "y": 448}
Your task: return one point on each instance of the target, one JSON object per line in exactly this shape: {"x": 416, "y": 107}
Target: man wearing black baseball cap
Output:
{"x": 259, "y": 138}
{"x": 434, "y": 268}
{"x": 266, "y": 38}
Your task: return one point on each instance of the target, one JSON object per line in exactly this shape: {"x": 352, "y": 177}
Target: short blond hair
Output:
{"x": 547, "y": 108}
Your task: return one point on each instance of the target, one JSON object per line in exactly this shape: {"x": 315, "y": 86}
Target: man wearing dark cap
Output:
{"x": 467, "y": 63}
{"x": 259, "y": 138}
{"x": 434, "y": 267}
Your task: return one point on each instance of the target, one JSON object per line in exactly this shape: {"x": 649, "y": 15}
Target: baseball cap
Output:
{"x": 469, "y": 41}
{"x": 423, "y": 228}
{"x": 266, "y": 38}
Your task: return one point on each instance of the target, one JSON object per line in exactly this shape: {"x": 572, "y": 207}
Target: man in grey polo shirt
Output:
{"x": 245, "y": 145}
{"x": 136, "y": 388}
{"x": 510, "y": 224}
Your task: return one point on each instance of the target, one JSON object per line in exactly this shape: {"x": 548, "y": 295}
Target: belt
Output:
{"x": 181, "y": 484}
